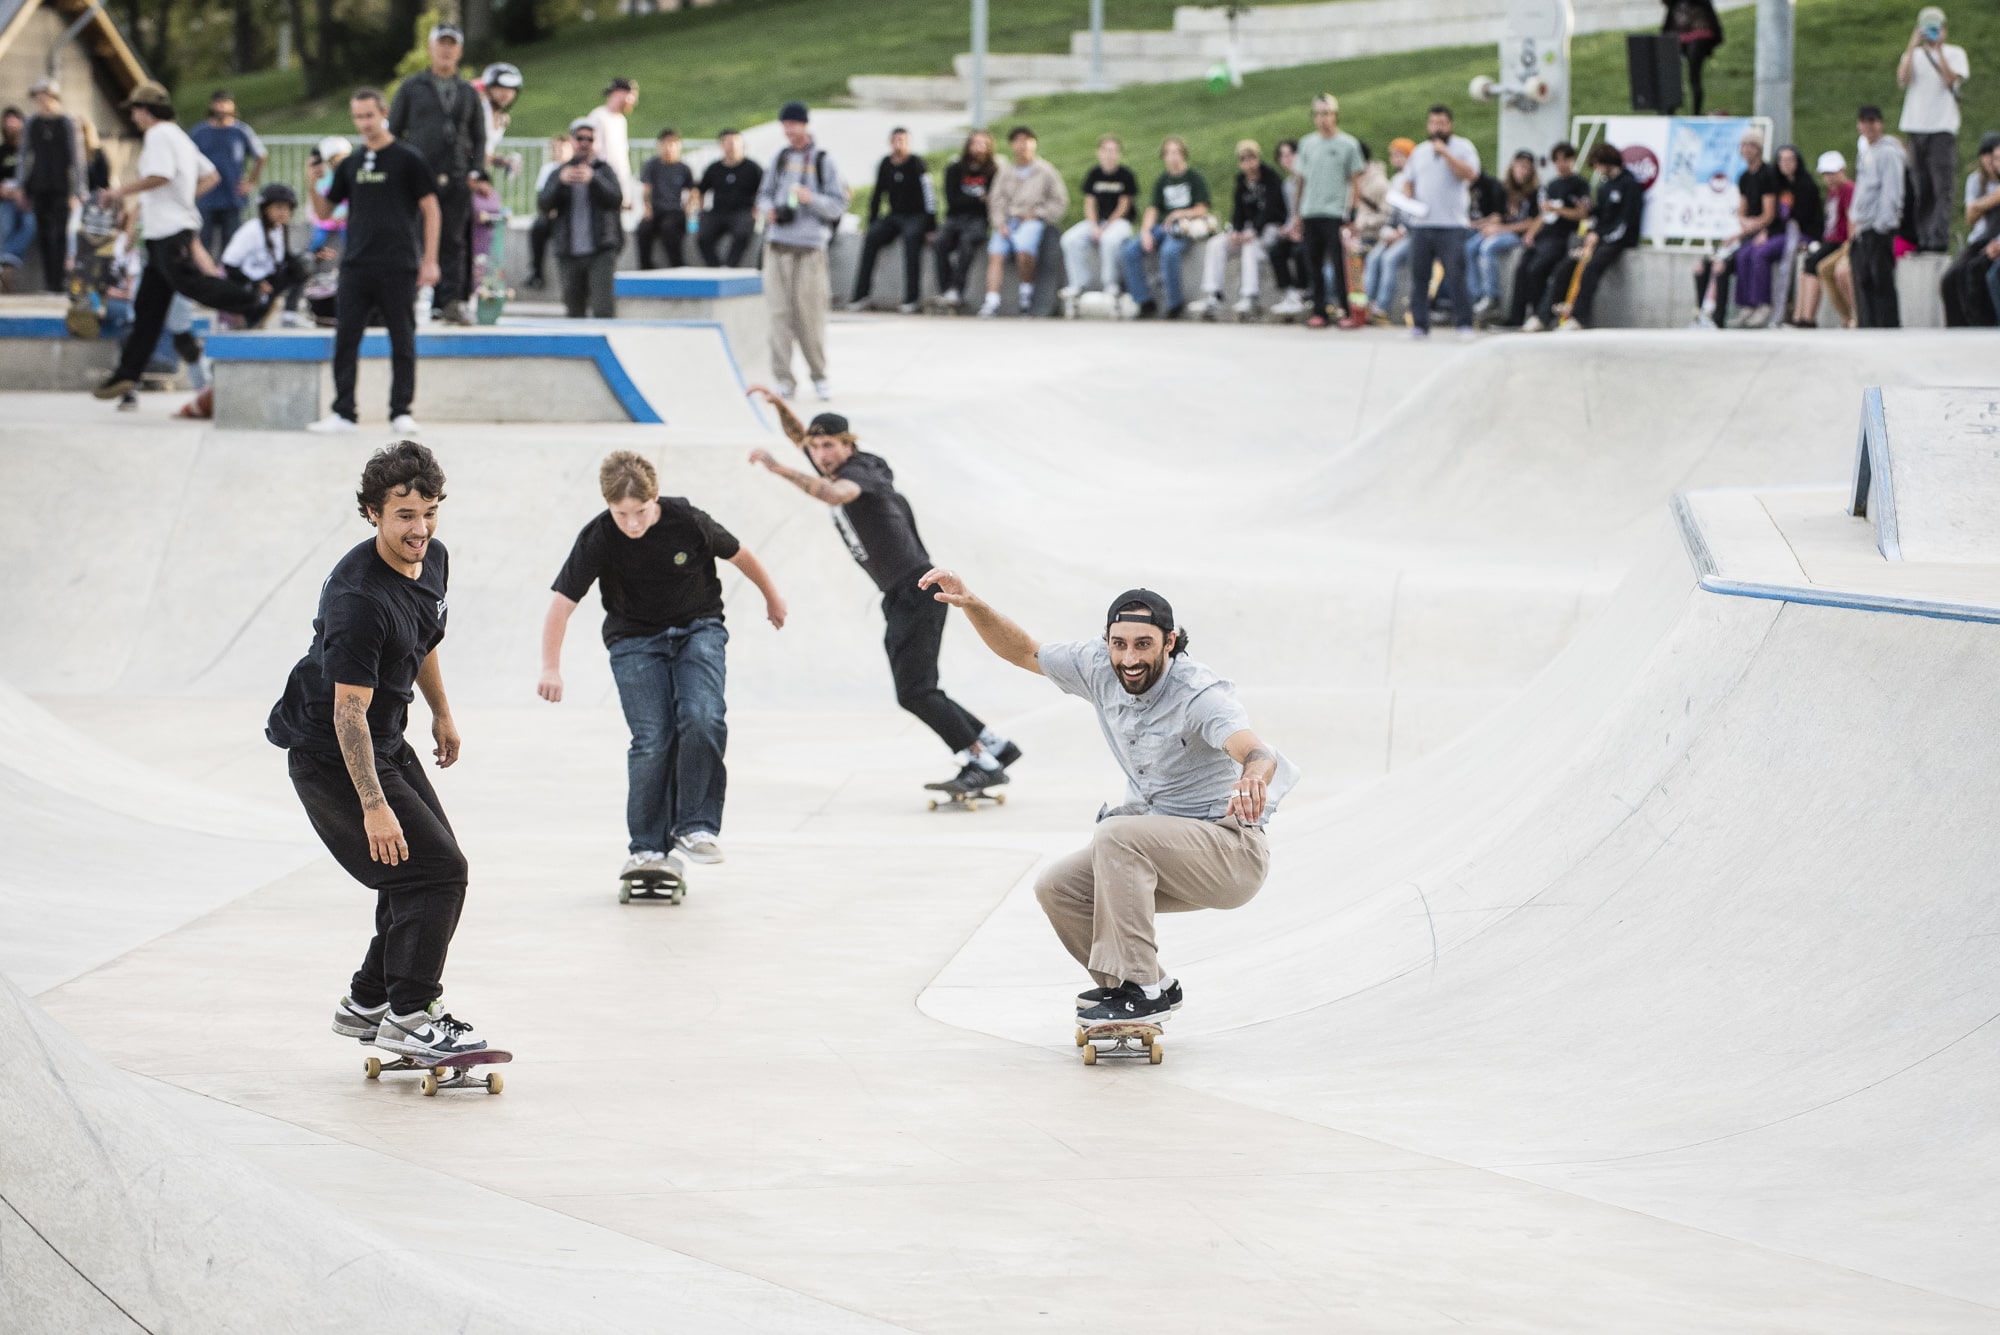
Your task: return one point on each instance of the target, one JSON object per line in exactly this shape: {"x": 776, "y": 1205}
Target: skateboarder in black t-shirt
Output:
{"x": 341, "y": 720}
{"x": 876, "y": 523}
{"x": 653, "y": 559}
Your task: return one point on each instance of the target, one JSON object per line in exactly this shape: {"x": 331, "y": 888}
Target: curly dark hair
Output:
{"x": 404, "y": 466}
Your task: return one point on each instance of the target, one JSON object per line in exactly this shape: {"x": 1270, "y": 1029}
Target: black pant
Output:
{"x": 1446, "y": 245}
{"x": 1322, "y": 236}
{"x": 1873, "y": 256}
{"x": 1603, "y": 259}
{"x": 915, "y": 630}
{"x": 1933, "y": 165}
{"x": 670, "y": 230}
{"x": 367, "y": 292}
{"x": 589, "y": 284}
{"x": 170, "y": 268}
{"x": 538, "y": 247}
{"x": 454, "y": 283}
{"x": 52, "y": 235}
{"x": 911, "y": 227}
{"x": 1288, "y": 262}
{"x": 724, "y": 238}
{"x": 1697, "y": 53}
{"x": 217, "y": 226}
{"x": 1963, "y": 289}
{"x": 957, "y": 249}
{"x": 417, "y": 902}
{"x": 1723, "y": 272}
{"x": 1531, "y": 279}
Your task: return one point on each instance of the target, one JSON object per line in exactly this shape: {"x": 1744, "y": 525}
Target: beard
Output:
{"x": 1145, "y": 682}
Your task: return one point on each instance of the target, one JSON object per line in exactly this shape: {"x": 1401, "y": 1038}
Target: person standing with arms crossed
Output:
{"x": 1199, "y": 789}
{"x": 803, "y": 200}
{"x": 387, "y": 188}
{"x": 653, "y": 557}
{"x": 442, "y": 117}
{"x": 880, "y": 530}
{"x": 341, "y": 721}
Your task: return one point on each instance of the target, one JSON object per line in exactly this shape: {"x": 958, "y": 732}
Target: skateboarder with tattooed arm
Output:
{"x": 1200, "y": 786}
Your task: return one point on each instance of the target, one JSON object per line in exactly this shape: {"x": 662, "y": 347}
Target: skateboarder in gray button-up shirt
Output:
{"x": 1199, "y": 787}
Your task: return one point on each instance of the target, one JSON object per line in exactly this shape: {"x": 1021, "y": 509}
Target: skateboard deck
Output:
{"x": 668, "y": 885}
{"x": 960, "y": 801}
{"x": 456, "y": 1072}
{"x": 1123, "y": 1038}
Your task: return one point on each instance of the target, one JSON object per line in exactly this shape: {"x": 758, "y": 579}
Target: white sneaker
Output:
{"x": 823, "y": 389}
{"x": 358, "y": 1022}
{"x": 1467, "y": 335}
{"x": 1289, "y": 304}
{"x": 1533, "y": 325}
{"x": 293, "y": 320}
{"x": 951, "y": 299}
{"x": 989, "y": 307}
{"x": 909, "y": 308}
{"x": 427, "y": 1034}
{"x": 1569, "y": 326}
{"x": 646, "y": 859}
{"x": 1702, "y": 320}
{"x": 1758, "y": 318}
{"x": 1068, "y": 291}
{"x": 406, "y": 425}
{"x": 1245, "y": 306}
{"x": 700, "y": 847}
{"x": 333, "y": 424}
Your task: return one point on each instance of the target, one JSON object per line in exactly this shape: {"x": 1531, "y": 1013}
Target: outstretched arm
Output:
{"x": 1002, "y": 636}
{"x": 812, "y": 484}
{"x": 787, "y": 419}
{"x": 550, "y": 687}
{"x": 1259, "y": 763}
{"x": 753, "y": 570}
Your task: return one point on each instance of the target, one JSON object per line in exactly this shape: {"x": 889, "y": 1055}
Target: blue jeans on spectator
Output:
{"x": 1133, "y": 261}
{"x": 1446, "y": 245}
{"x": 670, "y": 685}
{"x": 1482, "y": 263}
{"x": 17, "y": 232}
{"x": 1380, "y": 270}
{"x": 218, "y": 225}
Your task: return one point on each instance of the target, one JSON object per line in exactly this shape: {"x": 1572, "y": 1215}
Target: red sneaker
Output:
{"x": 1354, "y": 320}
{"x": 1316, "y": 322}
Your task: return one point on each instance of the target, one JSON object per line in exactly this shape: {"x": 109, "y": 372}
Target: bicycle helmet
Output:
{"x": 277, "y": 192}
{"x": 501, "y": 75}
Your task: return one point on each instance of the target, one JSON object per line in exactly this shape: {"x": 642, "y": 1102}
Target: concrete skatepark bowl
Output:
{"x": 1628, "y": 960}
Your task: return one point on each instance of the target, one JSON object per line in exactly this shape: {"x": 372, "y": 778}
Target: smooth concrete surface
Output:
{"x": 272, "y": 396}
{"x": 731, "y": 298}
{"x": 1626, "y": 962}
{"x": 1928, "y": 471}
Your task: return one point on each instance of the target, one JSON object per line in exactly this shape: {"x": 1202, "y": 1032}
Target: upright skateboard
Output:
{"x": 1130, "y": 1039}
{"x": 454, "y": 1072}
{"x": 656, "y": 883}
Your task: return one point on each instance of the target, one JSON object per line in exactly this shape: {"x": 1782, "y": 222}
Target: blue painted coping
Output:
{"x": 52, "y": 326}
{"x": 318, "y": 347}
{"x": 672, "y": 286}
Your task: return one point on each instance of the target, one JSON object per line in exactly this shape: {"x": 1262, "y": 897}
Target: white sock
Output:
{"x": 984, "y": 759}
{"x": 1153, "y": 990}
{"x": 1027, "y": 293}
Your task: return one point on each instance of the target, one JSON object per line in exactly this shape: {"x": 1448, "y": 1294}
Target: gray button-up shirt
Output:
{"x": 1169, "y": 740}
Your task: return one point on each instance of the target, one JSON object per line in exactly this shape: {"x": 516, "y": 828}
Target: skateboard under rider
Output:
{"x": 458, "y": 1071}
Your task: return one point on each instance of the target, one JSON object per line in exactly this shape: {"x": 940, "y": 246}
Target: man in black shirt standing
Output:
{"x": 1565, "y": 204}
{"x": 730, "y": 220}
{"x": 653, "y": 558}
{"x": 440, "y": 115}
{"x": 387, "y": 188}
{"x": 341, "y": 720}
{"x": 880, "y": 530}
{"x": 666, "y": 183}
{"x": 903, "y": 183}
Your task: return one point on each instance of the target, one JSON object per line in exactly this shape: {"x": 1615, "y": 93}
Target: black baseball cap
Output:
{"x": 1152, "y": 610}
{"x": 827, "y": 424}
{"x": 793, "y": 111}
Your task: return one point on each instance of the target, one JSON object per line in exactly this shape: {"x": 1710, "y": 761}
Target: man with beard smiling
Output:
{"x": 1200, "y": 786}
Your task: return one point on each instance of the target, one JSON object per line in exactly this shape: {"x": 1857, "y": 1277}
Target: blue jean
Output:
{"x": 17, "y": 231}
{"x": 670, "y": 685}
{"x": 1133, "y": 261}
{"x": 1380, "y": 270}
{"x": 1482, "y": 263}
{"x": 1446, "y": 245}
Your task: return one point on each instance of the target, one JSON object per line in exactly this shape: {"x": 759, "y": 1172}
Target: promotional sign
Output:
{"x": 1689, "y": 167}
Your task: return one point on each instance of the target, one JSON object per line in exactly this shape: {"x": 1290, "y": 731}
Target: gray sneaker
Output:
{"x": 426, "y": 1035}
{"x": 646, "y": 859}
{"x": 355, "y": 1021}
{"x": 700, "y": 847}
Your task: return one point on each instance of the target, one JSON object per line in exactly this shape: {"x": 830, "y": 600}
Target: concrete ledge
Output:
{"x": 730, "y": 298}
{"x": 37, "y": 352}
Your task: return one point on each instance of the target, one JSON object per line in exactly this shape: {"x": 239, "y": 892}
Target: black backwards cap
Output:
{"x": 1151, "y": 610}
{"x": 827, "y": 424}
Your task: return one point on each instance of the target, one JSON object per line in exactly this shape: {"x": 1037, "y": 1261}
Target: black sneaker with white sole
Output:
{"x": 1097, "y": 996}
{"x": 1129, "y": 1004}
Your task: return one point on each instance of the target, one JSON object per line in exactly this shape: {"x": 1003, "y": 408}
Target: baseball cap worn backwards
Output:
{"x": 446, "y": 32}
{"x": 827, "y": 424}
{"x": 1153, "y": 610}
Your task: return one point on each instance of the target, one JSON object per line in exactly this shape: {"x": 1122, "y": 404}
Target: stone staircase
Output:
{"x": 1270, "y": 37}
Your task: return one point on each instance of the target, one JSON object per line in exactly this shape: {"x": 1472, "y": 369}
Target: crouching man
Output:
{"x": 1200, "y": 786}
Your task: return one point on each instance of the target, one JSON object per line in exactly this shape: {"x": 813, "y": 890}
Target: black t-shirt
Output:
{"x": 375, "y": 628}
{"x": 1755, "y": 185}
{"x": 668, "y": 184}
{"x": 878, "y": 526}
{"x": 965, "y": 188}
{"x": 382, "y": 188}
{"x": 1107, "y": 188}
{"x": 1562, "y": 192}
{"x": 734, "y": 188}
{"x": 662, "y": 580}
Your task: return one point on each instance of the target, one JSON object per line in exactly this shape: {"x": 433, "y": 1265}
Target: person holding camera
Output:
{"x": 584, "y": 204}
{"x": 1178, "y": 216}
{"x": 1439, "y": 178}
{"x": 1932, "y": 72}
{"x": 803, "y": 200}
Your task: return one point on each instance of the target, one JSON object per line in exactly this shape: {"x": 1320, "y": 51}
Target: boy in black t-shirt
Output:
{"x": 653, "y": 559}
{"x": 667, "y": 183}
{"x": 907, "y": 200}
{"x": 341, "y": 721}
{"x": 880, "y": 530}
{"x": 1565, "y": 204}
{"x": 391, "y": 250}
{"x": 730, "y": 185}
{"x": 1110, "y": 204}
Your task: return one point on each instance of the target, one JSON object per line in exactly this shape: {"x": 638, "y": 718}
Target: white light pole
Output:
{"x": 1097, "y": 82}
{"x": 978, "y": 110}
{"x": 1774, "y": 68}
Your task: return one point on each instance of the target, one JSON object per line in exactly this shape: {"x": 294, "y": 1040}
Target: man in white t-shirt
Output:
{"x": 1439, "y": 177}
{"x": 614, "y": 141}
{"x": 170, "y": 175}
{"x": 1932, "y": 72}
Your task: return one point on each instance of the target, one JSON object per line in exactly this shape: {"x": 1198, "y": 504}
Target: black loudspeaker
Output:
{"x": 1653, "y": 62}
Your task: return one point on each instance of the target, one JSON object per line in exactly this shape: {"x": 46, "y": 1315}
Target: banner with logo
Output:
{"x": 1689, "y": 167}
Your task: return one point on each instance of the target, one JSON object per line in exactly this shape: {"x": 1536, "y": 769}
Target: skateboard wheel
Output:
{"x": 1156, "y": 1054}
{"x": 1000, "y": 799}
{"x": 1089, "y": 1053}
{"x": 933, "y": 804}
{"x": 494, "y": 1084}
{"x": 1080, "y": 1039}
{"x": 373, "y": 1066}
{"x": 625, "y": 892}
{"x": 430, "y": 1084}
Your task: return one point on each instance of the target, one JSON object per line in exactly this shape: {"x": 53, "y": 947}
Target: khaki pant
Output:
{"x": 798, "y": 291}
{"x": 1101, "y": 899}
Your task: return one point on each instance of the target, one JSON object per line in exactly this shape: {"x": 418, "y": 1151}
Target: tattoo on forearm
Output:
{"x": 1260, "y": 753}
{"x": 789, "y": 420}
{"x": 357, "y": 748}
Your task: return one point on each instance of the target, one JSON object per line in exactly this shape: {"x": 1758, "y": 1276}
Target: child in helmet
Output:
{"x": 260, "y": 254}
